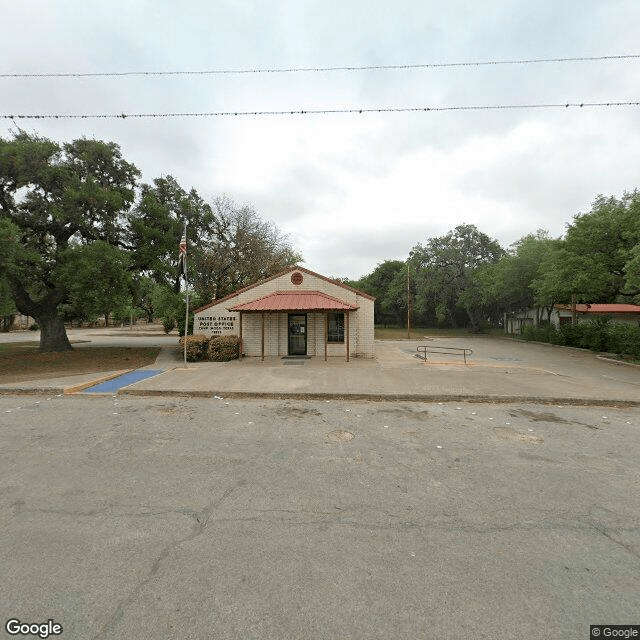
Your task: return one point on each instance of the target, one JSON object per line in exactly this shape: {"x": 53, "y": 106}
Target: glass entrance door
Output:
{"x": 297, "y": 334}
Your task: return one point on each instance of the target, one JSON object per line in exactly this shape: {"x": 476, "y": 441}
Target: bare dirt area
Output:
{"x": 22, "y": 361}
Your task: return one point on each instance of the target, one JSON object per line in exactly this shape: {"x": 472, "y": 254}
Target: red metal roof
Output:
{"x": 287, "y": 270}
{"x": 602, "y": 308}
{"x": 295, "y": 301}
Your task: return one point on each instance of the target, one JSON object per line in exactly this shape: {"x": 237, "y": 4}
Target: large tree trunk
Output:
{"x": 7, "y": 322}
{"x": 53, "y": 335}
{"x": 476, "y": 323}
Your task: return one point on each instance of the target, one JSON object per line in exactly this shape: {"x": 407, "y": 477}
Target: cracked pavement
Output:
{"x": 132, "y": 517}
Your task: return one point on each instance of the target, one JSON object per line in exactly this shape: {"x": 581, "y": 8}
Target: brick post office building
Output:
{"x": 295, "y": 313}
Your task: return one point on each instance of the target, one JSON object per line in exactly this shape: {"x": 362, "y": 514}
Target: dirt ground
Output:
{"x": 22, "y": 361}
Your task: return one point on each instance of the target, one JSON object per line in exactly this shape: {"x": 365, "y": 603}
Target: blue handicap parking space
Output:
{"x": 110, "y": 386}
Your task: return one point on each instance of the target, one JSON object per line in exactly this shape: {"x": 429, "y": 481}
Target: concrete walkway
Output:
{"x": 499, "y": 370}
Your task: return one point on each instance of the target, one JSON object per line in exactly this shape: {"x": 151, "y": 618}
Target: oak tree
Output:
{"x": 59, "y": 203}
{"x": 596, "y": 260}
{"x": 445, "y": 268}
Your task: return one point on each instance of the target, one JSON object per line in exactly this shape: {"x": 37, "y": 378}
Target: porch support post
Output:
{"x": 240, "y": 354}
{"x": 347, "y": 337}
{"x": 326, "y": 333}
{"x": 262, "y": 344}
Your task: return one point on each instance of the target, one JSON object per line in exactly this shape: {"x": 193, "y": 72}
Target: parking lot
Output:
{"x": 498, "y": 370}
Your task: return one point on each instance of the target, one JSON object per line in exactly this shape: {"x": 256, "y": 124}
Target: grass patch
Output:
{"x": 4, "y": 346}
{"x": 22, "y": 361}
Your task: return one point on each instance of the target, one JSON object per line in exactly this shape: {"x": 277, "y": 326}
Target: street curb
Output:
{"x": 70, "y": 390}
{"x": 615, "y": 361}
{"x": 383, "y": 397}
{"x": 370, "y": 397}
{"x": 26, "y": 391}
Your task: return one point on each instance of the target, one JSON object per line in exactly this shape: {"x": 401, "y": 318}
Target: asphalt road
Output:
{"x": 131, "y": 517}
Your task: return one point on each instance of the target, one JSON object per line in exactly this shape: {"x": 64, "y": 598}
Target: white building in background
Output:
{"x": 295, "y": 313}
{"x": 563, "y": 314}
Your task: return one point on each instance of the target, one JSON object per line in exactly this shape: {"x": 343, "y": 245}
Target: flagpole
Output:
{"x": 186, "y": 285}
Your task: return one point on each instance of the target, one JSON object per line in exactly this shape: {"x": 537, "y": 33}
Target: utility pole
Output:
{"x": 408, "y": 305}
{"x": 183, "y": 258}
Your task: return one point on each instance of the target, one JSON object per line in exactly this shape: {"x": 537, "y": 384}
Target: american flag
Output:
{"x": 182, "y": 260}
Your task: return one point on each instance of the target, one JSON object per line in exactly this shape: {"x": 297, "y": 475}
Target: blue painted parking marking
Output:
{"x": 111, "y": 386}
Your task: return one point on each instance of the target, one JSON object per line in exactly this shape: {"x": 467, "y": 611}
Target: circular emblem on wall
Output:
{"x": 296, "y": 277}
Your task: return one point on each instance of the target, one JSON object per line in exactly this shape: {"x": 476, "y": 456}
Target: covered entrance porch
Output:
{"x": 310, "y": 319}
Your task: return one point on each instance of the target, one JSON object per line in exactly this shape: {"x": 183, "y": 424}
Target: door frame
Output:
{"x": 306, "y": 333}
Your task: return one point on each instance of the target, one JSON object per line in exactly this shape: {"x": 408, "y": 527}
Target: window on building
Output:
{"x": 336, "y": 327}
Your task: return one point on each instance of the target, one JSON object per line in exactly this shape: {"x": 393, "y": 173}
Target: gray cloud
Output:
{"x": 351, "y": 190}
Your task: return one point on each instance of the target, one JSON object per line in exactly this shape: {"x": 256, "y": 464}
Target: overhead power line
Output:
{"x": 432, "y": 65}
{"x": 311, "y": 112}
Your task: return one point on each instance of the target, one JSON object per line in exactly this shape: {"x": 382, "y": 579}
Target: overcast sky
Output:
{"x": 351, "y": 190}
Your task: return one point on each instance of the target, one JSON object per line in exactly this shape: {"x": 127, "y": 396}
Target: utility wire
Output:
{"x": 321, "y": 69}
{"x": 304, "y": 112}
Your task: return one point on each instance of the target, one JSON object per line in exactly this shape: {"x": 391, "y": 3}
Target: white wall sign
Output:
{"x": 216, "y": 324}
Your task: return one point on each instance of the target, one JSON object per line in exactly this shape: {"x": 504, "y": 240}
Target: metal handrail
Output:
{"x": 458, "y": 351}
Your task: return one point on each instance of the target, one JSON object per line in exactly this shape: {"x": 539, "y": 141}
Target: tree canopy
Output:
{"x": 79, "y": 236}
{"x": 466, "y": 278}
{"x": 241, "y": 248}
{"x": 508, "y": 284}
{"x": 444, "y": 271}
{"x": 388, "y": 284}
{"x": 597, "y": 259}
{"x": 157, "y": 223}
{"x": 55, "y": 201}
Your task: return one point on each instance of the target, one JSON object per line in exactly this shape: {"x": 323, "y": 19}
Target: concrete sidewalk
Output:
{"x": 499, "y": 370}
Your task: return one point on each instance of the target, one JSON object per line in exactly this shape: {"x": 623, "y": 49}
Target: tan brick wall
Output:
{"x": 360, "y": 322}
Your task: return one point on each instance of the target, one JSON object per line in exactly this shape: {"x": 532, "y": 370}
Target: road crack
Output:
{"x": 201, "y": 519}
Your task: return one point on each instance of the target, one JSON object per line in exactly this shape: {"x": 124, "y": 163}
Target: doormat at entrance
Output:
{"x": 294, "y": 362}
{"x": 296, "y": 357}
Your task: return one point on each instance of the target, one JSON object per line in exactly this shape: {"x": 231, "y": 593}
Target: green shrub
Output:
{"x": 224, "y": 348}
{"x": 591, "y": 335}
{"x": 168, "y": 323}
{"x": 542, "y": 333}
{"x": 569, "y": 335}
{"x": 598, "y": 335}
{"x": 623, "y": 339}
{"x": 34, "y": 327}
{"x": 529, "y": 333}
{"x": 196, "y": 347}
{"x": 180, "y": 323}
